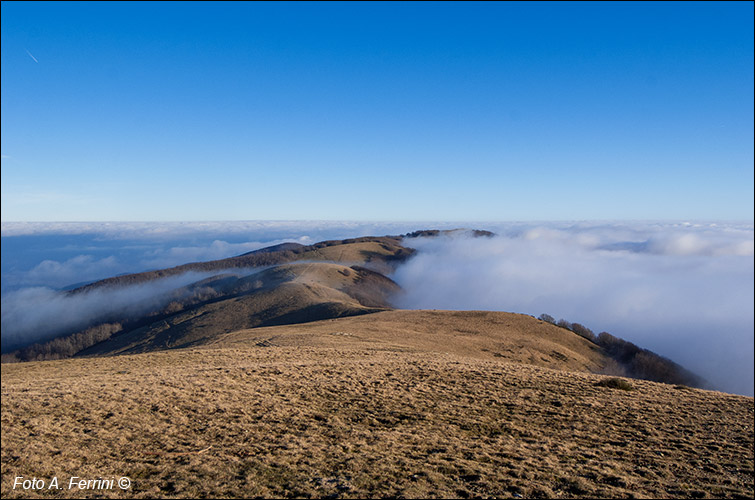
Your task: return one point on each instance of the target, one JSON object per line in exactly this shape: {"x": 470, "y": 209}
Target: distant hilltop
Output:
{"x": 429, "y": 233}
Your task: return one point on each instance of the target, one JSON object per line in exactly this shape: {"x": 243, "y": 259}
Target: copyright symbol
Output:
{"x": 124, "y": 483}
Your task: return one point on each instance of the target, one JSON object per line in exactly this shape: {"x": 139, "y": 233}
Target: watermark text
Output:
{"x": 72, "y": 483}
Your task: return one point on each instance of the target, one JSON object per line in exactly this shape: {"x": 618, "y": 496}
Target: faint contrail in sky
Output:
{"x": 35, "y": 59}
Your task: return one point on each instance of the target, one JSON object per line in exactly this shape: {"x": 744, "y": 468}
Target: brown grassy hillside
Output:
{"x": 486, "y": 335}
{"x": 365, "y": 417}
{"x": 294, "y": 284}
{"x": 378, "y": 253}
{"x": 287, "y": 283}
{"x": 298, "y": 380}
{"x": 288, "y": 293}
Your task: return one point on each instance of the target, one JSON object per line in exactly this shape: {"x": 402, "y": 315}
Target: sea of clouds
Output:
{"x": 683, "y": 290}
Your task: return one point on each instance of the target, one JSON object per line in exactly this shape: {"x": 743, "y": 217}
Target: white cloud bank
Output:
{"x": 684, "y": 291}
{"x": 37, "y": 314}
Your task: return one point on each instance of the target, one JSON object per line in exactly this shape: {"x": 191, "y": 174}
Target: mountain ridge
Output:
{"x": 291, "y": 283}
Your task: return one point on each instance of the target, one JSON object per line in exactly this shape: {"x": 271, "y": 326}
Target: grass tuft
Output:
{"x": 616, "y": 383}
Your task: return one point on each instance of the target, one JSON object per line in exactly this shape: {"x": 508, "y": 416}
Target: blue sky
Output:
{"x": 377, "y": 111}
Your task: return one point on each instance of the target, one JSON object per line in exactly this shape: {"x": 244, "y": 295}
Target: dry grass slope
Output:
{"x": 288, "y": 293}
{"x": 292, "y": 283}
{"x": 398, "y": 403}
{"x": 299, "y": 381}
{"x": 379, "y": 253}
{"x": 334, "y": 279}
{"x": 487, "y": 335}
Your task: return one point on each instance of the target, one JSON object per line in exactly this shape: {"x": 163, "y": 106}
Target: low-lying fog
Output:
{"x": 682, "y": 290}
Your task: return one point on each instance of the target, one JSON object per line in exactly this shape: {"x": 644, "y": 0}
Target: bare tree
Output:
{"x": 547, "y": 318}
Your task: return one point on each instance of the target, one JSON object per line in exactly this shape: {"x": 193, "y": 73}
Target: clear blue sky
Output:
{"x": 377, "y": 111}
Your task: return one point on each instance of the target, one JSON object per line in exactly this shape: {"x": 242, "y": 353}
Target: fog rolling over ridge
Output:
{"x": 684, "y": 291}
{"x": 38, "y": 314}
{"x": 59, "y": 254}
